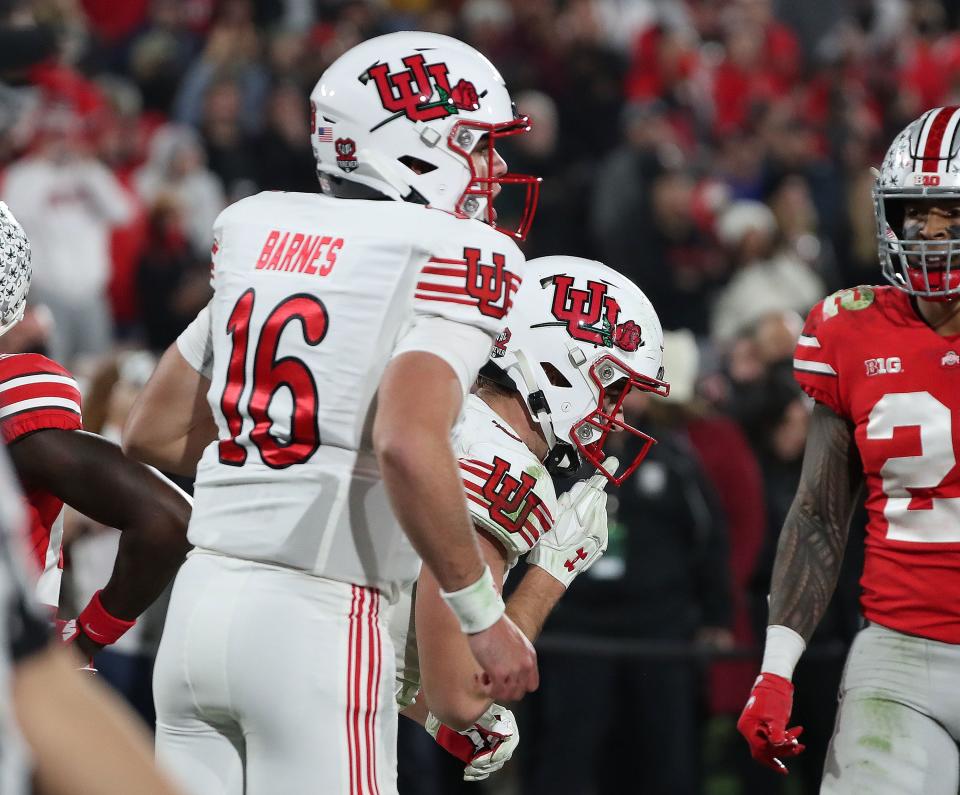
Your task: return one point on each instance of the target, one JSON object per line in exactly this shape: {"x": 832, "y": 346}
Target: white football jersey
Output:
{"x": 509, "y": 494}
{"x": 313, "y": 295}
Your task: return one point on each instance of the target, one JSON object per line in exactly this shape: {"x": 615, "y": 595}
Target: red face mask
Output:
{"x": 607, "y": 421}
{"x": 484, "y": 187}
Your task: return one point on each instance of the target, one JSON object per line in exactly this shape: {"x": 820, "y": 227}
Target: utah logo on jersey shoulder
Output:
{"x": 510, "y": 502}
{"x": 852, "y": 299}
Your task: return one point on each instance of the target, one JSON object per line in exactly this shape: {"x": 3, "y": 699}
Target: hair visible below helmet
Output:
{"x": 578, "y": 329}
{"x": 922, "y": 164}
{"x": 16, "y": 270}
{"x": 402, "y": 114}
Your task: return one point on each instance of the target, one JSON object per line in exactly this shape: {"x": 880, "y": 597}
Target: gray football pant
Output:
{"x": 899, "y": 718}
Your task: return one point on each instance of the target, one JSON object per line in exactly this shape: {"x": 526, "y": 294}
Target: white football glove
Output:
{"x": 485, "y": 747}
{"x": 579, "y": 536}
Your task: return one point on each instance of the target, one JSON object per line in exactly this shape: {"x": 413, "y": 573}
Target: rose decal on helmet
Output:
{"x": 464, "y": 96}
{"x": 627, "y": 336}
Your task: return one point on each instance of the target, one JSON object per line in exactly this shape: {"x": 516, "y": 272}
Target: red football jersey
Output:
{"x": 870, "y": 357}
{"x": 37, "y": 394}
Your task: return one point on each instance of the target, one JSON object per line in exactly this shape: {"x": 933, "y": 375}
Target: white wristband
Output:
{"x": 782, "y": 651}
{"x": 478, "y": 606}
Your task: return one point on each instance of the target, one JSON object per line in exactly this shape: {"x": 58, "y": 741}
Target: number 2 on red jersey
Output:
{"x": 269, "y": 375}
{"x": 919, "y": 507}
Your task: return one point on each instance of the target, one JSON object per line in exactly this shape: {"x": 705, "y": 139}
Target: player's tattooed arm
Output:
{"x": 93, "y": 476}
{"x": 814, "y": 534}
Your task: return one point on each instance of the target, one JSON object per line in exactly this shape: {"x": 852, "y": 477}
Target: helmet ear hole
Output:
{"x": 416, "y": 165}
{"x": 555, "y": 377}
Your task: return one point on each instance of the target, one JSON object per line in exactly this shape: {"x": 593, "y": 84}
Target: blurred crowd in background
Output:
{"x": 716, "y": 151}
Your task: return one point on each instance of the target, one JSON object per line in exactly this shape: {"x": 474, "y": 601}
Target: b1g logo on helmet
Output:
{"x": 591, "y": 315}
{"x": 409, "y": 91}
{"x": 346, "y": 154}
{"x": 488, "y": 284}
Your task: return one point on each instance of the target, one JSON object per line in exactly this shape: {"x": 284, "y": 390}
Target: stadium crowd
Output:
{"x": 718, "y": 152}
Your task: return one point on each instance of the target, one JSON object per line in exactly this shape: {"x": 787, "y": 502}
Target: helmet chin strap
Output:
{"x": 535, "y": 399}
{"x": 562, "y": 458}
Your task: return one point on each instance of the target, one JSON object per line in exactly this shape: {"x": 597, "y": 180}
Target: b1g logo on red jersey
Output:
{"x": 883, "y": 366}
{"x": 409, "y": 91}
{"x": 489, "y": 284}
{"x": 511, "y": 500}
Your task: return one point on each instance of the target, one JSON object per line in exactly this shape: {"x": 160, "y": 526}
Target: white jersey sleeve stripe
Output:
{"x": 808, "y": 342}
{"x": 39, "y": 403}
{"x": 813, "y": 367}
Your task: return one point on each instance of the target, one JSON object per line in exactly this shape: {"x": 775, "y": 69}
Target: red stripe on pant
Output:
{"x": 373, "y": 692}
{"x": 361, "y": 738}
{"x": 351, "y": 752}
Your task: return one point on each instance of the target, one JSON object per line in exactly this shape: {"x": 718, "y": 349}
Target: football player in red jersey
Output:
{"x": 882, "y": 365}
{"x": 57, "y": 463}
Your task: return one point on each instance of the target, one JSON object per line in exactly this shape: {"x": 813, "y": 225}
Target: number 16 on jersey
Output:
{"x": 269, "y": 375}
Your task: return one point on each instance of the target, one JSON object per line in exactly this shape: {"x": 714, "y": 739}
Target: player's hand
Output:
{"x": 508, "y": 660}
{"x": 579, "y": 536}
{"x": 485, "y": 747}
{"x": 70, "y": 634}
{"x": 764, "y": 719}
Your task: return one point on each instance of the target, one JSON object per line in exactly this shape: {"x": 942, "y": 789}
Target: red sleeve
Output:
{"x": 815, "y": 364}
{"x": 36, "y": 394}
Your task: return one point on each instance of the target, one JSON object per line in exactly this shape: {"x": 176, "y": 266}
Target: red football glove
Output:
{"x": 764, "y": 719}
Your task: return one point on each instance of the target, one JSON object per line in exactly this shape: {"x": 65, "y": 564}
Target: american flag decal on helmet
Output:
{"x": 325, "y": 134}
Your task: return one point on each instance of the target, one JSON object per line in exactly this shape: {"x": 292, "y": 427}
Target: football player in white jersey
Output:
{"x": 579, "y": 338}
{"x": 345, "y": 329}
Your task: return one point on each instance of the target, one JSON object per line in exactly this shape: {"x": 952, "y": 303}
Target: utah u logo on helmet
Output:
{"x": 511, "y": 500}
{"x": 583, "y": 310}
{"x": 409, "y": 91}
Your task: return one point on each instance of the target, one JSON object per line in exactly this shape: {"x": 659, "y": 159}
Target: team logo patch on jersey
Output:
{"x": 883, "y": 366}
{"x": 852, "y": 299}
{"x": 511, "y": 500}
{"x": 591, "y": 315}
{"x": 488, "y": 283}
{"x": 346, "y": 154}
{"x": 410, "y": 92}
{"x": 950, "y": 359}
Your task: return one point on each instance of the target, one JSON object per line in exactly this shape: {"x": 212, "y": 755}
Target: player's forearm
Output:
{"x": 153, "y": 544}
{"x": 150, "y": 439}
{"x": 533, "y": 601}
{"x": 423, "y": 481}
{"x": 81, "y": 736}
{"x": 814, "y": 536}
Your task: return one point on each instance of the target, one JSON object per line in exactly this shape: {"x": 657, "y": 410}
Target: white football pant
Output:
{"x": 899, "y": 718}
{"x": 270, "y": 681}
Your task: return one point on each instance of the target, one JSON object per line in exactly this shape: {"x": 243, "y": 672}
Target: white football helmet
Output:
{"x": 578, "y": 328}
{"x": 923, "y": 162}
{"x": 401, "y": 114}
{"x": 16, "y": 270}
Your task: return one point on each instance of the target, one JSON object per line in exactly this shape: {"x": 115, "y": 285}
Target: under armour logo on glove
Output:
{"x": 579, "y": 535}
{"x": 581, "y": 555}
